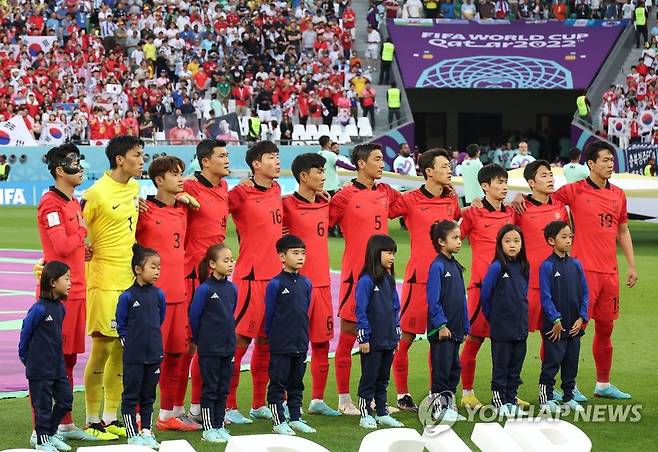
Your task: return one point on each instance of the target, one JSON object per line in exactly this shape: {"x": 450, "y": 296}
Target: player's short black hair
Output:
{"x": 426, "y": 159}
{"x": 440, "y": 231}
{"x": 140, "y": 256}
{"x": 363, "y": 151}
{"x": 574, "y": 153}
{"x": 288, "y": 242}
{"x": 472, "y": 150}
{"x": 51, "y": 272}
{"x": 593, "y": 149}
{"x": 57, "y": 156}
{"x": 324, "y": 140}
{"x": 162, "y": 165}
{"x": 119, "y": 146}
{"x": 489, "y": 172}
{"x": 530, "y": 171}
{"x": 304, "y": 162}
{"x": 553, "y": 228}
{"x": 256, "y": 152}
{"x": 205, "y": 149}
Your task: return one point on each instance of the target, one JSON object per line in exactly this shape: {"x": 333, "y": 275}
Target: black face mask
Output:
{"x": 70, "y": 164}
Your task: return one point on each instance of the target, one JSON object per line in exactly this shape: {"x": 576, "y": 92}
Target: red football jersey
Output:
{"x": 597, "y": 214}
{"x": 63, "y": 237}
{"x": 420, "y": 210}
{"x": 206, "y": 226}
{"x": 532, "y": 222}
{"x": 481, "y": 226}
{"x": 361, "y": 213}
{"x": 258, "y": 216}
{"x": 163, "y": 228}
{"x": 310, "y": 222}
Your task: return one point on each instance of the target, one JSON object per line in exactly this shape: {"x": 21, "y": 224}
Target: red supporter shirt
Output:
{"x": 420, "y": 210}
{"x": 206, "y": 226}
{"x": 481, "y": 226}
{"x": 310, "y": 222}
{"x": 532, "y": 223}
{"x": 258, "y": 215}
{"x": 597, "y": 214}
{"x": 63, "y": 237}
{"x": 163, "y": 228}
{"x": 361, "y": 213}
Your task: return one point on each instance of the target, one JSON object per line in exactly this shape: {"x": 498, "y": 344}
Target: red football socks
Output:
{"x": 231, "y": 401}
{"x": 183, "y": 377}
{"x": 260, "y": 363}
{"x": 169, "y": 370}
{"x": 344, "y": 361}
{"x": 468, "y": 356}
{"x": 602, "y": 349}
{"x": 197, "y": 381}
{"x": 69, "y": 362}
{"x": 401, "y": 366}
{"x": 319, "y": 368}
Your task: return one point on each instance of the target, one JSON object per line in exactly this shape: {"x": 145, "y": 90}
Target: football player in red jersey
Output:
{"x": 432, "y": 202}
{"x": 362, "y": 210}
{"x": 306, "y": 215}
{"x": 601, "y": 220}
{"x": 258, "y": 216}
{"x": 206, "y": 226}
{"x": 62, "y": 231}
{"x": 163, "y": 227}
{"x": 481, "y": 226}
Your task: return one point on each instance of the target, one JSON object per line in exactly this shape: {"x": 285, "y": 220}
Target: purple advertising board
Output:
{"x": 502, "y": 54}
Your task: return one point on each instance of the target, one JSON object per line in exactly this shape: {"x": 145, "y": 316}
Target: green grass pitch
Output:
{"x": 635, "y": 366}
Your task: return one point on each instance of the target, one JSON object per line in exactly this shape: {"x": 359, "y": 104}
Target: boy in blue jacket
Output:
{"x": 140, "y": 313}
{"x": 40, "y": 350}
{"x": 564, "y": 301}
{"x": 287, "y": 301}
{"x": 447, "y": 319}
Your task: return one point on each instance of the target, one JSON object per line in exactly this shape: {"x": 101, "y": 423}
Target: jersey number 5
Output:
{"x": 378, "y": 222}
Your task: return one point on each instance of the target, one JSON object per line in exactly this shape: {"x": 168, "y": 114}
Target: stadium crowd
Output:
{"x": 108, "y": 68}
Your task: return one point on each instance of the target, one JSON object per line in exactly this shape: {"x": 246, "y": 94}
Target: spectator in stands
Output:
{"x": 627, "y": 10}
{"x": 523, "y": 157}
{"x": 559, "y": 10}
{"x": 574, "y": 171}
{"x": 447, "y": 9}
{"x": 431, "y": 8}
{"x": 538, "y": 10}
{"x": 523, "y": 11}
{"x": 393, "y": 100}
{"x": 368, "y": 102}
{"x": 650, "y": 167}
{"x": 5, "y": 168}
{"x": 487, "y": 9}
{"x": 501, "y": 9}
{"x": 254, "y": 125}
{"x": 583, "y": 10}
{"x": 468, "y": 10}
{"x": 640, "y": 16}
{"x": 412, "y": 9}
{"x": 286, "y": 128}
{"x": 372, "y": 49}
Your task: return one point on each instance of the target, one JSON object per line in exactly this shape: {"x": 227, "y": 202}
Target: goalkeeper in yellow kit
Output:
{"x": 110, "y": 208}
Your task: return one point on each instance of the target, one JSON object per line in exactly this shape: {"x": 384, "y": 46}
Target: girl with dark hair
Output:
{"x": 504, "y": 301}
{"x": 378, "y": 329}
{"x": 140, "y": 314}
{"x": 213, "y": 331}
{"x": 40, "y": 350}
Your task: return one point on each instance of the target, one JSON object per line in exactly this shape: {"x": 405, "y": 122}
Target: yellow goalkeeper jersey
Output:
{"x": 110, "y": 209}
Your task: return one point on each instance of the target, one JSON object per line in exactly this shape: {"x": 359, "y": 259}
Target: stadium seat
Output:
{"x": 272, "y": 443}
{"x": 336, "y": 129}
{"x": 442, "y": 438}
{"x": 352, "y": 130}
{"x": 533, "y": 147}
{"x": 312, "y": 132}
{"x": 299, "y": 129}
{"x": 363, "y": 121}
{"x": 393, "y": 440}
{"x": 323, "y": 129}
{"x": 334, "y": 137}
{"x": 534, "y": 435}
{"x": 491, "y": 437}
{"x": 365, "y": 130}
{"x": 344, "y": 139}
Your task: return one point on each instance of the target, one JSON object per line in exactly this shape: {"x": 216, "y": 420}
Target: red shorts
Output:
{"x": 250, "y": 311}
{"x": 73, "y": 326}
{"x": 175, "y": 329}
{"x": 347, "y": 307}
{"x": 534, "y": 310}
{"x": 479, "y": 325}
{"x": 603, "y": 295}
{"x": 413, "y": 309}
{"x": 321, "y": 315}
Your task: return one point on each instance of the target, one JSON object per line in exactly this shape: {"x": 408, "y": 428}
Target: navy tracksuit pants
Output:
{"x": 560, "y": 355}
{"x": 375, "y": 374}
{"x": 446, "y": 369}
{"x": 286, "y": 376}
{"x": 507, "y": 360}
{"x": 139, "y": 383}
{"x": 46, "y": 415}
{"x": 216, "y": 374}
